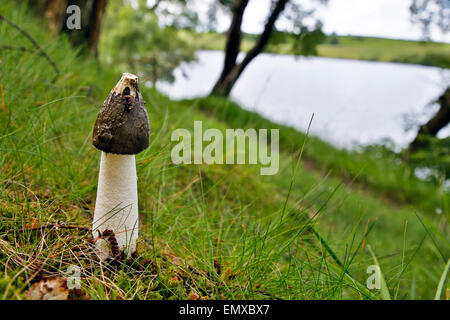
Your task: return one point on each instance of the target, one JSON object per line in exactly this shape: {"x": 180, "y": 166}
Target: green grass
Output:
{"x": 389, "y": 50}
{"x": 382, "y": 171}
{"x": 211, "y": 231}
{"x": 345, "y": 47}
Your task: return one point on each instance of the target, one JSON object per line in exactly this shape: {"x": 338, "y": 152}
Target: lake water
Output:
{"x": 354, "y": 102}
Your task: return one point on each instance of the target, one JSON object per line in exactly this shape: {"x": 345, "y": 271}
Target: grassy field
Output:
{"x": 207, "y": 231}
{"x": 346, "y": 47}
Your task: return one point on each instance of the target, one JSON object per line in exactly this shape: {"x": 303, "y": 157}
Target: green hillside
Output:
{"x": 345, "y": 47}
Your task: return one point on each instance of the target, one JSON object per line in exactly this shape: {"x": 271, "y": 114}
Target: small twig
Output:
{"x": 54, "y": 226}
{"x": 29, "y": 37}
{"x": 23, "y": 49}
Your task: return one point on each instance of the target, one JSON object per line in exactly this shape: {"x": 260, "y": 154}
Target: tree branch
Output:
{"x": 95, "y": 21}
{"x": 231, "y": 70}
{"x": 265, "y": 36}
{"x": 435, "y": 124}
{"x": 23, "y": 49}
{"x": 233, "y": 44}
{"x": 29, "y": 37}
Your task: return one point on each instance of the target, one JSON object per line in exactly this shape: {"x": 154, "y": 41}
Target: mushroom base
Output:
{"x": 116, "y": 208}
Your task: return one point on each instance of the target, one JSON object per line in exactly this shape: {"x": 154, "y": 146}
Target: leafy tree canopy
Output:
{"x": 431, "y": 13}
{"x": 133, "y": 39}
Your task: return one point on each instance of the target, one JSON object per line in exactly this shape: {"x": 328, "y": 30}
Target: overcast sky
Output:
{"x": 381, "y": 18}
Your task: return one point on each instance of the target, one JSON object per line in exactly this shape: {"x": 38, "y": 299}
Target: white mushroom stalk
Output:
{"x": 116, "y": 208}
{"x": 121, "y": 131}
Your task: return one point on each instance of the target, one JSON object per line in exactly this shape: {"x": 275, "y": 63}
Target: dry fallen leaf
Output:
{"x": 194, "y": 296}
{"x": 53, "y": 288}
{"x": 32, "y": 225}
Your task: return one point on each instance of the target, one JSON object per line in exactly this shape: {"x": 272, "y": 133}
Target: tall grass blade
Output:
{"x": 383, "y": 286}
{"x": 442, "y": 281}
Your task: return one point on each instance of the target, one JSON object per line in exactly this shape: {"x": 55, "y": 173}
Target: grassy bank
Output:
{"x": 345, "y": 47}
{"x": 378, "y": 169}
{"x": 207, "y": 231}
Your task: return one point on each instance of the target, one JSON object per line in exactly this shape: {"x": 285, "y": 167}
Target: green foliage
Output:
{"x": 430, "y": 14}
{"x": 195, "y": 218}
{"x": 308, "y": 40}
{"x": 333, "y": 39}
{"x": 10, "y": 286}
{"x": 435, "y": 157}
{"x": 305, "y": 43}
{"x": 133, "y": 40}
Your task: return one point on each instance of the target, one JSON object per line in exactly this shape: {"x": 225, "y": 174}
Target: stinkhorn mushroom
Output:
{"x": 121, "y": 130}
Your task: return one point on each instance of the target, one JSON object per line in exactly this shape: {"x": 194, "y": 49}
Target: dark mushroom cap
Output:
{"x": 122, "y": 125}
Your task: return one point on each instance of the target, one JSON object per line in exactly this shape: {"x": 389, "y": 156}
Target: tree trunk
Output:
{"x": 94, "y": 26}
{"x": 78, "y": 37}
{"x": 54, "y": 11}
{"x": 233, "y": 44}
{"x": 232, "y": 71}
{"x": 436, "y": 123}
{"x": 92, "y": 12}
